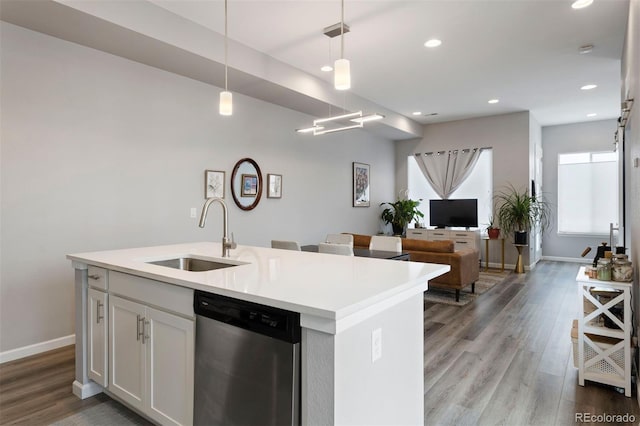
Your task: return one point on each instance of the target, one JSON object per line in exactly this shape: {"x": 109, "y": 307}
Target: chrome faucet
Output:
{"x": 226, "y": 244}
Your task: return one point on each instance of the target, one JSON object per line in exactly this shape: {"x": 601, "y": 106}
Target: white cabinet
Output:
{"x": 170, "y": 358}
{"x": 128, "y": 356}
{"x": 152, "y": 361}
{"x": 461, "y": 239}
{"x": 609, "y": 362}
{"x": 97, "y": 326}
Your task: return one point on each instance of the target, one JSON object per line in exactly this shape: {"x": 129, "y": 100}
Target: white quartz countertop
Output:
{"x": 329, "y": 291}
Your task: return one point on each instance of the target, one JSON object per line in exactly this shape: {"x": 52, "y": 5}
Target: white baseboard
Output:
{"x": 87, "y": 390}
{"x": 36, "y": 348}
{"x": 568, "y": 259}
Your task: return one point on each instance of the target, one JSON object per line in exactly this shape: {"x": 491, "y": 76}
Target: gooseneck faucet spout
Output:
{"x": 226, "y": 244}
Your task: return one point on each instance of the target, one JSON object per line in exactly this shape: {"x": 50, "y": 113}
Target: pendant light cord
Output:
{"x": 341, "y": 31}
{"x": 226, "y": 47}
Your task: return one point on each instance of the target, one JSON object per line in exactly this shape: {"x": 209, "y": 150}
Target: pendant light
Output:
{"x": 226, "y": 97}
{"x": 342, "y": 68}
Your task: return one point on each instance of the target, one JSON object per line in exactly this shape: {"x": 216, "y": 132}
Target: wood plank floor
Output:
{"x": 503, "y": 359}
{"x": 506, "y": 357}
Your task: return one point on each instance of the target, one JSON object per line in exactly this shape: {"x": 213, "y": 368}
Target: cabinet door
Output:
{"x": 170, "y": 356}
{"x": 127, "y": 363}
{"x": 97, "y": 344}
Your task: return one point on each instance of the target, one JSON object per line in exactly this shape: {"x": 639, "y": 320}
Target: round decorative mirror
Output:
{"x": 246, "y": 184}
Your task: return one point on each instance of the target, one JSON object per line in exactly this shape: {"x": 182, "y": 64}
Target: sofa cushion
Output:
{"x": 443, "y": 246}
{"x": 361, "y": 240}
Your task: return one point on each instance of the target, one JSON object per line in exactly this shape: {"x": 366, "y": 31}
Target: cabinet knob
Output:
{"x": 94, "y": 277}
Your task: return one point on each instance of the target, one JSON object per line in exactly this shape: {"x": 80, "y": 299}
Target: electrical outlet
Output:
{"x": 194, "y": 213}
{"x": 376, "y": 344}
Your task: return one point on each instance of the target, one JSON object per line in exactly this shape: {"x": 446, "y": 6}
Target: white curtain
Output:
{"x": 446, "y": 170}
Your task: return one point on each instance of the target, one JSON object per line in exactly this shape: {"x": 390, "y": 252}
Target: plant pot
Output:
{"x": 520, "y": 237}
{"x": 493, "y": 233}
{"x": 397, "y": 229}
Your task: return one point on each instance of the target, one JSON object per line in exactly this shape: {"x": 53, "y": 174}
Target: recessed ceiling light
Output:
{"x": 587, "y": 48}
{"x": 579, "y": 4}
{"x": 416, "y": 113}
{"x": 434, "y": 42}
{"x": 326, "y": 68}
{"x": 493, "y": 101}
{"x": 593, "y": 114}
{"x": 588, "y": 86}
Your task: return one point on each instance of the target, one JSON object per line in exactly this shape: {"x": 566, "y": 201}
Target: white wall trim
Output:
{"x": 36, "y": 348}
{"x": 568, "y": 259}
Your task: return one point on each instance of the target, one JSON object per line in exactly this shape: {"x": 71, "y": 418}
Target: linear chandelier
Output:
{"x": 338, "y": 123}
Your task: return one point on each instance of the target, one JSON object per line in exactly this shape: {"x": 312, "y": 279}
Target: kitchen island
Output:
{"x": 347, "y": 375}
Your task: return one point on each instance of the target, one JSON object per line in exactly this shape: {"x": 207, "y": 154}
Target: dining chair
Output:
{"x": 340, "y": 239}
{"x": 384, "y": 243}
{"x": 285, "y": 245}
{"x": 332, "y": 248}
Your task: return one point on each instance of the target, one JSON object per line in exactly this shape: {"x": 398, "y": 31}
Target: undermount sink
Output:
{"x": 192, "y": 264}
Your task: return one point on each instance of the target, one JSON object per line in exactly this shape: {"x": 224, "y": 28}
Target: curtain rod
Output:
{"x": 454, "y": 151}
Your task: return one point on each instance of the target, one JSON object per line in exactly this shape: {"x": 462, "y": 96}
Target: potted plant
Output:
{"x": 400, "y": 213}
{"x": 492, "y": 230}
{"x": 518, "y": 212}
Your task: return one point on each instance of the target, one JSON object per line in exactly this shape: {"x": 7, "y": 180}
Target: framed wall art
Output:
{"x": 274, "y": 186}
{"x": 249, "y": 186}
{"x": 361, "y": 184}
{"x": 213, "y": 184}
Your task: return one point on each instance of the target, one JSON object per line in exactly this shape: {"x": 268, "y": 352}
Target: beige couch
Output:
{"x": 465, "y": 268}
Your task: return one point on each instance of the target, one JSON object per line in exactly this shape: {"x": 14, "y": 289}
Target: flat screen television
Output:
{"x": 453, "y": 213}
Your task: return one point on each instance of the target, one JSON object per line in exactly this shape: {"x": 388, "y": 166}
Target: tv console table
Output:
{"x": 462, "y": 239}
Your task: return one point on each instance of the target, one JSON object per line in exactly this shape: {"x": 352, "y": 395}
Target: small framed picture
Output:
{"x": 213, "y": 184}
{"x": 275, "y": 186}
{"x": 249, "y": 186}
{"x": 361, "y": 184}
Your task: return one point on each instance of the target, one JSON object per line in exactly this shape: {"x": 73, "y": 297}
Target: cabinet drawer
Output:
{"x": 419, "y": 234}
{"x": 439, "y": 237}
{"x": 165, "y": 296}
{"x": 462, "y": 235}
{"x": 98, "y": 278}
{"x": 462, "y": 244}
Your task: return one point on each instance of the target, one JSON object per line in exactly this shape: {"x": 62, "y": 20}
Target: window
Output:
{"x": 479, "y": 184}
{"x": 587, "y": 192}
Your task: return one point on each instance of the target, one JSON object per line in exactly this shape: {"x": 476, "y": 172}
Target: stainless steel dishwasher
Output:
{"x": 247, "y": 363}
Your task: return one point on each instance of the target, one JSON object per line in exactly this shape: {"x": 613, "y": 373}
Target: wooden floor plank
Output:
{"x": 517, "y": 366}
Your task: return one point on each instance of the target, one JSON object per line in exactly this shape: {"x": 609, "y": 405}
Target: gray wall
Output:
{"x": 508, "y": 134}
{"x": 98, "y": 152}
{"x": 579, "y": 137}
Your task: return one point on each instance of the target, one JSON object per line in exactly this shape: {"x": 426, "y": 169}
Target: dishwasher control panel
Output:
{"x": 274, "y": 322}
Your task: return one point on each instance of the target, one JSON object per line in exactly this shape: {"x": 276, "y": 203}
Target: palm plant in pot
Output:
{"x": 518, "y": 212}
{"x": 400, "y": 213}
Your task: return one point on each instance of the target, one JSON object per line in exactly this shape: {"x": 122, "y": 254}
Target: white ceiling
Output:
{"x": 525, "y": 53}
